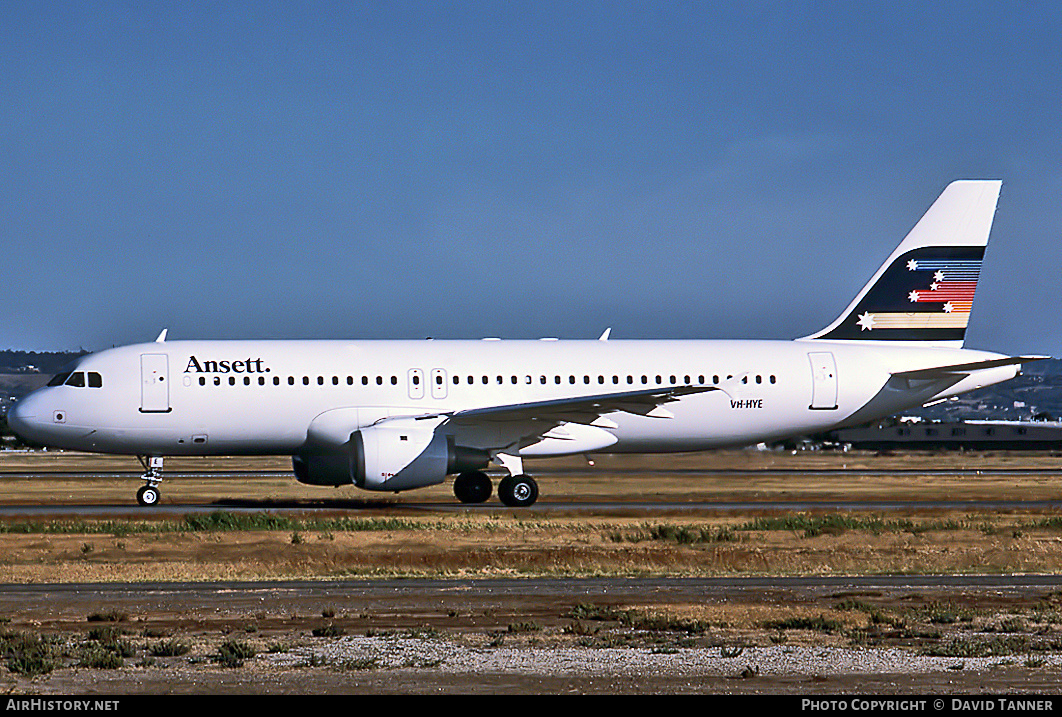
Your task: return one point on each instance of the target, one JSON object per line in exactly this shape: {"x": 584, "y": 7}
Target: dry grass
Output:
{"x": 505, "y": 544}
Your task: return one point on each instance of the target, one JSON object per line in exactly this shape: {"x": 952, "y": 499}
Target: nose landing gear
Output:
{"x": 149, "y": 494}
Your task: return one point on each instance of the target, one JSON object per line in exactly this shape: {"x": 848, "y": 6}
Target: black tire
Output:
{"x": 518, "y": 491}
{"x": 148, "y": 495}
{"x": 473, "y": 487}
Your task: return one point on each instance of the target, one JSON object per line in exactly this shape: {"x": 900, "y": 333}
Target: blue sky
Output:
{"x": 514, "y": 169}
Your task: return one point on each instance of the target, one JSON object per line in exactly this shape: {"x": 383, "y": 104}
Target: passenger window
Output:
{"x": 202, "y": 380}
{"x": 217, "y": 380}
{"x": 76, "y": 379}
{"x": 95, "y": 380}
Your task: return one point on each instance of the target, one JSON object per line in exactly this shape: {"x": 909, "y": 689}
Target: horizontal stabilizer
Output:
{"x": 965, "y": 368}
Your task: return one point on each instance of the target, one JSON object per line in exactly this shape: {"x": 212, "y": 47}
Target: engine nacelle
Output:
{"x": 394, "y": 455}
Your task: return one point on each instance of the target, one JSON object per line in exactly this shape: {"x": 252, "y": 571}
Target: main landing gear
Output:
{"x": 517, "y": 491}
{"x": 149, "y": 493}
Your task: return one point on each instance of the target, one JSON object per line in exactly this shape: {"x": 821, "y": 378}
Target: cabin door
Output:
{"x": 154, "y": 383}
{"x": 823, "y": 381}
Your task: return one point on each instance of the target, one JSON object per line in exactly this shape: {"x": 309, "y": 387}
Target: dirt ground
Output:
{"x": 358, "y": 593}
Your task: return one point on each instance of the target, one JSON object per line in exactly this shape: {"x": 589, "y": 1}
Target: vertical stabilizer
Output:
{"x": 924, "y": 292}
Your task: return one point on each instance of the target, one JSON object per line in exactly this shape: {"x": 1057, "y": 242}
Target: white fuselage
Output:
{"x": 262, "y": 397}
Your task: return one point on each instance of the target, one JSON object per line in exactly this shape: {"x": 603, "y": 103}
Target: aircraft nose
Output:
{"x": 20, "y": 418}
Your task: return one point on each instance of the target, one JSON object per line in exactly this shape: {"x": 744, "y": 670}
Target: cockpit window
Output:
{"x": 76, "y": 379}
{"x": 59, "y": 379}
{"x": 95, "y": 380}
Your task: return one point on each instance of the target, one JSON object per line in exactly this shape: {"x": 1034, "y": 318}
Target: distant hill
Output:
{"x": 25, "y": 371}
{"x": 48, "y": 362}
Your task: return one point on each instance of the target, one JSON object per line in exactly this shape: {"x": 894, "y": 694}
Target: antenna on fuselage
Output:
{"x": 162, "y": 337}
{"x": 604, "y": 336}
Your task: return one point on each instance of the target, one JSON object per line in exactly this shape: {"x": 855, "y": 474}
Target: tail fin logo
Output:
{"x": 926, "y": 294}
{"x": 925, "y": 289}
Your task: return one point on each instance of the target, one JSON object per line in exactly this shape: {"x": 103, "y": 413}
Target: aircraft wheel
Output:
{"x": 472, "y": 487}
{"x": 518, "y": 491}
{"x": 148, "y": 495}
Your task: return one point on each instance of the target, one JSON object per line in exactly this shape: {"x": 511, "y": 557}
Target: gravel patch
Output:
{"x": 446, "y": 656}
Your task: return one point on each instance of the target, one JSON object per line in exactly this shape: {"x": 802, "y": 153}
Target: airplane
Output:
{"x": 395, "y": 415}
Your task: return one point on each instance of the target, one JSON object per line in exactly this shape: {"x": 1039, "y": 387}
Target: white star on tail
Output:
{"x": 913, "y": 296}
{"x": 912, "y": 265}
{"x": 866, "y": 322}
{"x": 948, "y": 308}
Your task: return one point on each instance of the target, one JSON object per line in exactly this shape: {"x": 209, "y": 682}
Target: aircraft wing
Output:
{"x": 965, "y": 368}
{"x": 583, "y": 409}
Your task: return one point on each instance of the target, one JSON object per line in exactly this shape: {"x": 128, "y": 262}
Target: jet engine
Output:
{"x": 393, "y": 455}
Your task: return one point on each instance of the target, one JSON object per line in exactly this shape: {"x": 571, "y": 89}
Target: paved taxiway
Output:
{"x": 359, "y": 501}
